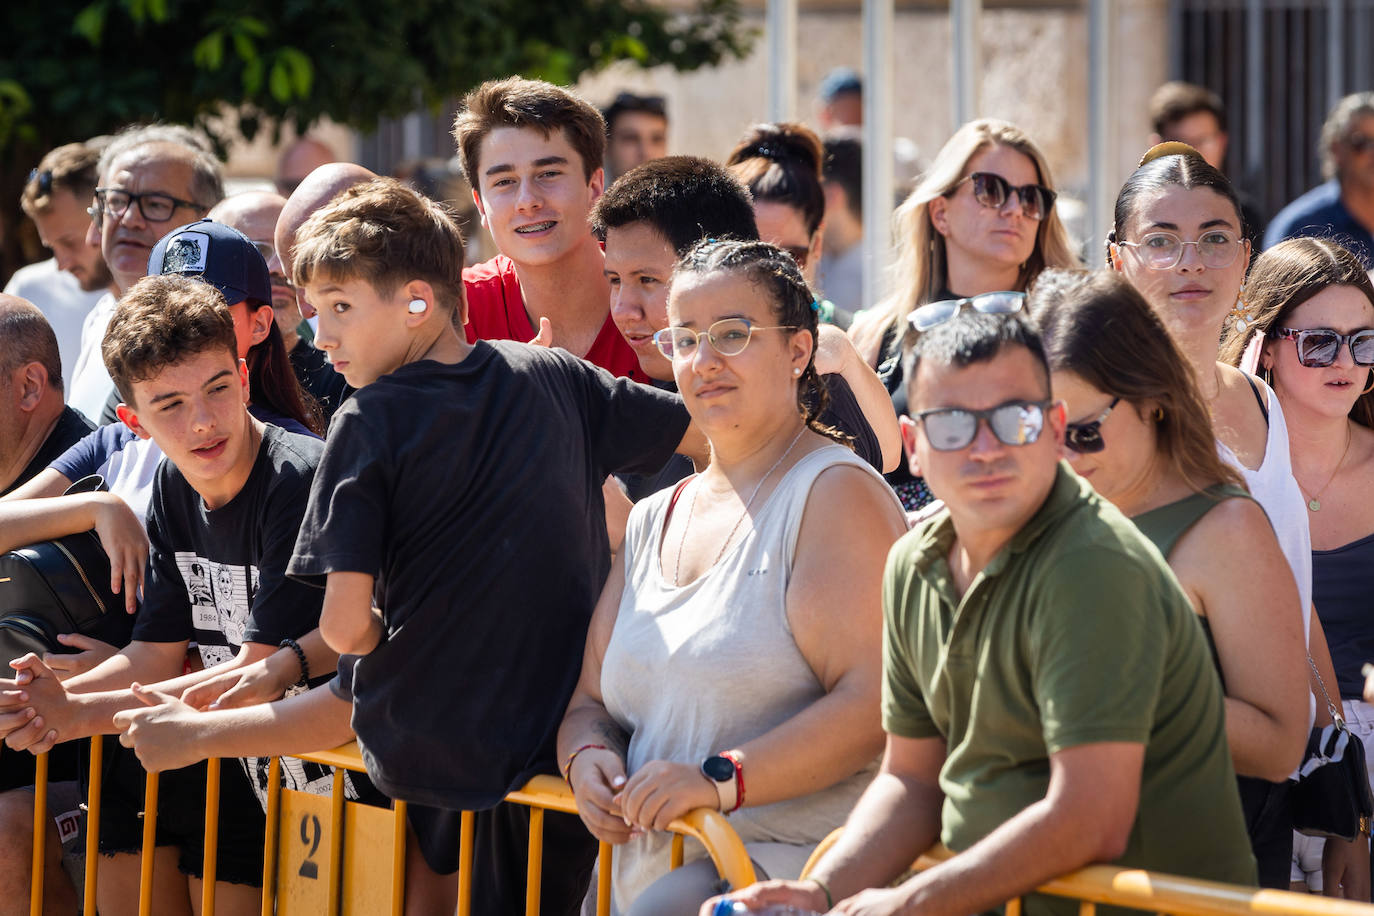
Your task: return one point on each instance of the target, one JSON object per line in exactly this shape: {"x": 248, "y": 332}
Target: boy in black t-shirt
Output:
{"x": 461, "y": 490}
{"x": 224, "y": 514}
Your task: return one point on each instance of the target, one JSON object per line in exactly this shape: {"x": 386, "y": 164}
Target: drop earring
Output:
{"x": 1240, "y": 316}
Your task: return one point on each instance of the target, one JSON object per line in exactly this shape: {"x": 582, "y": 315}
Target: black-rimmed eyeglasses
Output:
{"x": 155, "y": 206}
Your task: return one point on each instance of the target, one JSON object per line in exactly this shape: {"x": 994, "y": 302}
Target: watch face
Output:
{"x": 719, "y": 769}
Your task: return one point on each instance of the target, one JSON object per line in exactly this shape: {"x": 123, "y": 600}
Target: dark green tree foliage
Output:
{"x": 72, "y": 69}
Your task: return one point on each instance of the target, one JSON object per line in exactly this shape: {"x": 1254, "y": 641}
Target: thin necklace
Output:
{"x": 691, "y": 507}
{"x": 1314, "y": 503}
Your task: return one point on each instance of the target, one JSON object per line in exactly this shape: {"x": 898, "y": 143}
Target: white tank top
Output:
{"x": 1275, "y": 488}
{"x": 695, "y": 670}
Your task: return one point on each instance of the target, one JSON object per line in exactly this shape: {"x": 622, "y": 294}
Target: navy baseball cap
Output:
{"x": 217, "y": 254}
{"x": 838, "y": 82}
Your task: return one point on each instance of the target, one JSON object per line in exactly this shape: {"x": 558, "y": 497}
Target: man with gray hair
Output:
{"x": 1342, "y": 209}
{"x": 153, "y": 178}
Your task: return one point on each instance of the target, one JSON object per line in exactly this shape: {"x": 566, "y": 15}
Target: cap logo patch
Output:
{"x": 186, "y": 253}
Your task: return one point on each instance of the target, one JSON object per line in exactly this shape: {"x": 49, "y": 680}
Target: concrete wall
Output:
{"x": 1035, "y": 74}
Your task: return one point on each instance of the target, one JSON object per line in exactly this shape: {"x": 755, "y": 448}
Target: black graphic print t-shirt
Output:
{"x": 218, "y": 576}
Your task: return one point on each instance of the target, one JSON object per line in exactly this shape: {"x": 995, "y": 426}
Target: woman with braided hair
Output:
{"x": 732, "y": 661}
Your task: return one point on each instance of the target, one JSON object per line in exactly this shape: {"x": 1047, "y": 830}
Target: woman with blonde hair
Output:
{"x": 981, "y": 221}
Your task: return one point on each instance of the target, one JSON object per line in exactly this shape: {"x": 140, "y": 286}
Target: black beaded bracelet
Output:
{"x": 300, "y": 657}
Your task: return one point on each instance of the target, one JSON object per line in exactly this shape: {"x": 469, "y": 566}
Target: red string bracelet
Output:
{"x": 739, "y": 780}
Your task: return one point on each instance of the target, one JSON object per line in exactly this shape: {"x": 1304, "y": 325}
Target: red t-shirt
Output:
{"x": 496, "y": 311}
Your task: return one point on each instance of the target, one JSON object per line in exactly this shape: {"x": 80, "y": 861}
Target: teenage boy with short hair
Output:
{"x": 532, "y": 153}
{"x": 225, "y": 510}
{"x": 649, "y": 219}
{"x": 461, "y": 490}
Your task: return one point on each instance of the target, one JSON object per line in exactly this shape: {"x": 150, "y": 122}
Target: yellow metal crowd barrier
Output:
{"x": 1152, "y": 892}
{"x": 310, "y": 868}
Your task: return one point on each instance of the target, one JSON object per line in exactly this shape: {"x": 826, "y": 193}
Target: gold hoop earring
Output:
{"x": 1370, "y": 387}
{"x": 1240, "y": 316}
{"x": 1159, "y": 414}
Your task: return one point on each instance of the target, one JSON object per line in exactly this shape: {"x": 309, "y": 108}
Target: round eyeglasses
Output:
{"x": 1216, "y": 249}
{"x": 1015, "y": 423}
{"x": 1007, "y": 302}
{"x": 728, "y": 337}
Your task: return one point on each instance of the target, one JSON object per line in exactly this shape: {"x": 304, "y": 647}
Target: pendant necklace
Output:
{"x": 1314, "y": 502}
{"x": 691, "y": 507}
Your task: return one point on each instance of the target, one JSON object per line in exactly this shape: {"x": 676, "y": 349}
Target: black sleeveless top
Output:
{"x": 1341, "y": 586}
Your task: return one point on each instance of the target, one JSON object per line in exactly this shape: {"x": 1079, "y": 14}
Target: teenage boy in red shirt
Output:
{"x": 532, "y": 153}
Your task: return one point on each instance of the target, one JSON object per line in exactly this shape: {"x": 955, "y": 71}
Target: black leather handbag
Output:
{"x": 58, "y": 586}
{"x": 1332, "y": 798}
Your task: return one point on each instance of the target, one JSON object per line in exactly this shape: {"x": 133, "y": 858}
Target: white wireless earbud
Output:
{"x": 417, "y": 306}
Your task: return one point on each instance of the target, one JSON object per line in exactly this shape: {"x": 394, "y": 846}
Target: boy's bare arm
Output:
{"x": 351, "y": 626}
{"x": 167, "y": 733}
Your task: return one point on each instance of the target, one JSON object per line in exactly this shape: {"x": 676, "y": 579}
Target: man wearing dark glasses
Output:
{"x": 1343, "y": 207}
{"x": 1049, "y": 699}
{"x": 152, "y": 179}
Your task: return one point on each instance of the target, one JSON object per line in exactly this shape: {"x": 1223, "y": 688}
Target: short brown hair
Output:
{"x": 517, "y": 102}
{"x": 386, "y": 234}
{"x": 26, "y": 337}
{"x": 1175, "y": 100}
{"x": 68, "y": 168}
{"x": 161, "y": 321}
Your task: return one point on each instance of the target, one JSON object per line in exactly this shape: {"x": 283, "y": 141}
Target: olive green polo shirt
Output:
{"x": 1076, "y": 632}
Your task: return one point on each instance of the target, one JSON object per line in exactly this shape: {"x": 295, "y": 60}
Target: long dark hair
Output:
{"x": 781, "y": 163}
{"x": 773, "y": 270}
{"x": 1169, "y": 165}
{"x": 272, "y": 382}
{"x": 1096, "y": 325}
{"x": 1285, "y": 277}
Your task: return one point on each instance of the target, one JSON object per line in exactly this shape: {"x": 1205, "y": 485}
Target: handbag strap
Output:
{"x": 1336, "y": 716}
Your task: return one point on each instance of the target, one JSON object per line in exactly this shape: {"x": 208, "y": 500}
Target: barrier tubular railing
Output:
{"x": 540, "y": 794}
{"x": 1092, "y": 886}
{"x": 1154, "y": 892}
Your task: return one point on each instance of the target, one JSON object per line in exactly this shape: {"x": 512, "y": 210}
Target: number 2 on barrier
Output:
{"x": 310, "y": 836}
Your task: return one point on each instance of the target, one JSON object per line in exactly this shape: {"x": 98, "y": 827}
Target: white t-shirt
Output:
{"x": 89, "y": 385}
{"x": 62, "y": 301}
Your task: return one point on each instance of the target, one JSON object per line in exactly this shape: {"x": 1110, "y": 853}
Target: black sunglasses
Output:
{"x": 992, "y": 190}
{"x": 1086, "y": 438}
{"x": 1319, "y": 347}
{"x": 949, "y": 429}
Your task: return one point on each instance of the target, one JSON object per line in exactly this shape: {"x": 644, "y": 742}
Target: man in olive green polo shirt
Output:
{"x": 1048, "y": 696}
